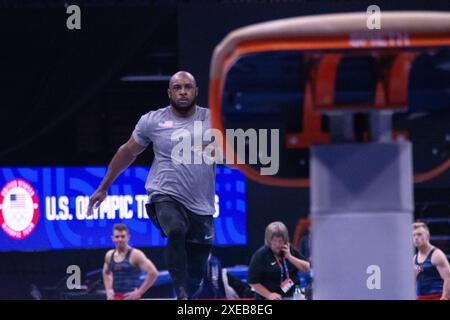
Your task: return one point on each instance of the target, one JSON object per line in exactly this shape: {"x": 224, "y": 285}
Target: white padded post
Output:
{"x": 361, "y": 213}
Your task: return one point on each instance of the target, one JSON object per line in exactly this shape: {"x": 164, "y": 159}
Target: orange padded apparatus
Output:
{"x": 319, "y": 90}
{"x": 415, "y": 31}
{"x": 391, "y": 92}
{"x": 302, "y": 226}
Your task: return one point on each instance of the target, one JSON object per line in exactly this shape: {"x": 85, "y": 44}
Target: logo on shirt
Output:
{"x": 166, "y": 124}
{"x": 273, "y": 263}
{"x": 117, "y": 267}
{"x": 419, "y": 268}
{"x": 19, "y": 209}
{"x": 207, "y": 237}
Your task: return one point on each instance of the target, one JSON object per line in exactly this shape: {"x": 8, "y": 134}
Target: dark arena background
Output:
{"x": 70, "y": 98}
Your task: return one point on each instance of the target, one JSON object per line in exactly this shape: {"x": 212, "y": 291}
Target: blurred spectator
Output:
{"x": 305, "y": 251}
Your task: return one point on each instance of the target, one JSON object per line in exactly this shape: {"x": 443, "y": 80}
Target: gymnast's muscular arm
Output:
{"x": 123, "y": 158}
{"x": 439, "y": 260}
{"x": 108, "y": 277}
{"x": 138, "y": 258}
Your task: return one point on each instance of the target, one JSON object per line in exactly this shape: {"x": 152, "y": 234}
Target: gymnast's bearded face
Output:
{"x": 182, "y": 92}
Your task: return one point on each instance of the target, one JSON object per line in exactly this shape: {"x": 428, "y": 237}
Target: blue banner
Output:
{"x": 44, "y": 208}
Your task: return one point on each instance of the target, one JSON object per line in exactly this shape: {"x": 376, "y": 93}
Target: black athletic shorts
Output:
{"x": 164, "y": 210}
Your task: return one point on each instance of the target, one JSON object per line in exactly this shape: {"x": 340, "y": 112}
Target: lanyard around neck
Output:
{"x": 283, "y": 268}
